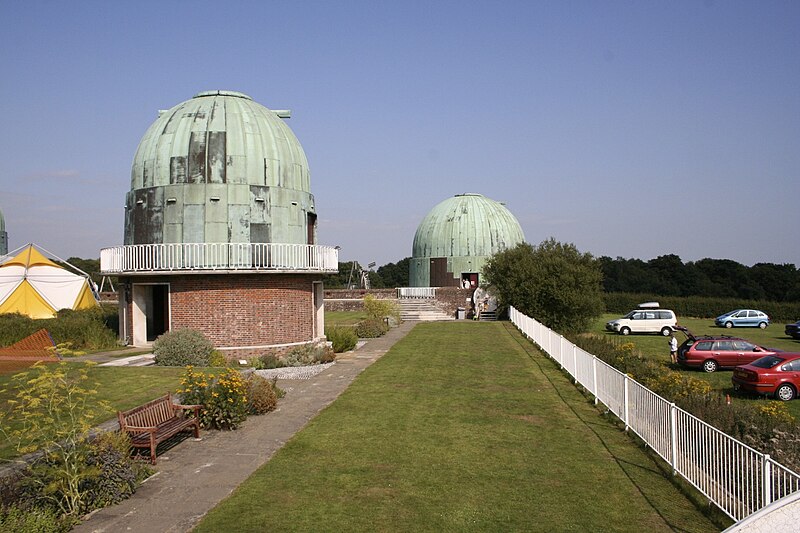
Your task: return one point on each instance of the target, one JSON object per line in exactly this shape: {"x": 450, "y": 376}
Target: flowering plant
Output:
{"x": 223, "y": 397}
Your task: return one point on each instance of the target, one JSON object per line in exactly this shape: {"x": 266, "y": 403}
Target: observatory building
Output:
{"x": 457, "y": 237}
{"x": 220, "y": 230}
{"x": 3, "y": 236}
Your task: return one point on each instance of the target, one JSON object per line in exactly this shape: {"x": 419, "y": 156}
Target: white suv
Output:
{"x": 648, "y": 318}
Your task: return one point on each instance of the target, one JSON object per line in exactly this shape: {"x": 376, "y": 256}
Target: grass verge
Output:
{"x": 460, "y": 426}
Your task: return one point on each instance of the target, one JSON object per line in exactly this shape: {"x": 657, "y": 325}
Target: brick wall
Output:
{"x": 237, "y": 310}
{"x": 349, "y": 294}
{"x": 448, "y": 299}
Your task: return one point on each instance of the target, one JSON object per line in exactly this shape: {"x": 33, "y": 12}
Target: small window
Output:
{"x": 792, "y": 366}
{"x": 704, "y": 346}
{"x": 724, "y": 346}
{"x": 649, "y": 315}
{"x": 752, "y": 314}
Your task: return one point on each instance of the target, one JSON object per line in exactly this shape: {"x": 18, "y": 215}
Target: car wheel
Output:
{"x": 762, "y": 325}
{"x": 709, "y": 365}
{"x": 729, "y": 324}
{"x": 785, "y": 392}
{"x": 666, "y": 331}
{"x": 624, "y": 331}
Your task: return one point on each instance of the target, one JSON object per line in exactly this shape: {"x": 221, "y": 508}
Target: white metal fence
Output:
{"x": 218, "y": 256}
{"x": 407, "y": 293}
{"x": 735, "y": 477}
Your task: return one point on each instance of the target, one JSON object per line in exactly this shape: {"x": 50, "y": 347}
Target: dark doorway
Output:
{"x": 440, "y": 277}
{"x": 469, "y": 280}
{"x": 158, "y": 312}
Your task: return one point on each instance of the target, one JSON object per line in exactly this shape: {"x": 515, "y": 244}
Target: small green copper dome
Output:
{"x": 461, "y": 232}
{"x": 220, "y": 167}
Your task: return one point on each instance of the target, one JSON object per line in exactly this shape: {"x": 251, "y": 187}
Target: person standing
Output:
{"x": 673, "y": 349}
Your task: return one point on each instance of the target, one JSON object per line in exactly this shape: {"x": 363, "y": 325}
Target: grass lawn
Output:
{"x": 460, "y": 426}
{"x": 344, "y": 318}
{"x": 123, "y": 388}
{"x": 654, "y": 346}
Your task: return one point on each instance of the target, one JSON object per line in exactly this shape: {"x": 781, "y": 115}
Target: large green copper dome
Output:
{"x": 220, "y": 167}
{"x": 456, "y": 238}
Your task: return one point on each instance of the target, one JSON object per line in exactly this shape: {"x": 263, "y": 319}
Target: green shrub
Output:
{"x": 309, "y": 354}
{"x": 223, "y": 397}
{"x": 217, "y": 359}
{"x": 182, "y": 347}
{"x": 371, "y": 328}
{"x": 267, "y": 362}
{"x": 380, "y": 309}
{"x": 343, "y": 339}
{"x": 82, "y": 330}
{"x": 117, "y": 474}
{"x": 261, "y": 395}
{"x": 15, "y": 327}
{"x": 33, "y": 520}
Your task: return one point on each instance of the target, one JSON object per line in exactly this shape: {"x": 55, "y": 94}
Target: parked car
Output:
{"x": 714, "y": 352}
{"x": 648, "y": 318}
{"x": 793, "y": 330}
{"x": 778, "y": 375}
{"x": 742, "y": 318}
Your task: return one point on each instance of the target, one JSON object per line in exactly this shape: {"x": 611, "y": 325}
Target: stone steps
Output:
{"x": 421, "y": 310}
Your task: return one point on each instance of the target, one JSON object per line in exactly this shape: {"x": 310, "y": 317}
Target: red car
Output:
{"x": 777, "y": 374}
{"x": 713, "y": 352}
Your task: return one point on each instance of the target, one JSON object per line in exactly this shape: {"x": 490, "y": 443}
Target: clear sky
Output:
{"x": 629, "y": 128}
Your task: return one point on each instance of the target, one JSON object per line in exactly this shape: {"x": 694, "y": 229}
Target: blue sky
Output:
{"x": 631, "y": 129}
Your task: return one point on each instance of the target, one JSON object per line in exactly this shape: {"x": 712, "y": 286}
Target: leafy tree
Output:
{"x": 553, "y": 282}
{"x": 395, "y": 274}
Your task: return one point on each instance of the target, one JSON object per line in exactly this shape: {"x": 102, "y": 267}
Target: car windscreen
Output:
{"x": 767, "y": 362}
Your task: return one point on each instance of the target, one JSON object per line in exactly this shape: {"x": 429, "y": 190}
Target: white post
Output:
{"x": 673, "y": 437}
{"x": 625, "y": 403}
{"x": 594, "y": 378}
{"x": 766, "y": 469}
{"x": 575, "y": 362}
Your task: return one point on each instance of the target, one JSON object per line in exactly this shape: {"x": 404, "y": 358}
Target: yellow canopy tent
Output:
{"x": 33, "y": 285}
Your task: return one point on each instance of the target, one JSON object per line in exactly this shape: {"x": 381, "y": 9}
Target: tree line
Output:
{"x": 667, "y": 275}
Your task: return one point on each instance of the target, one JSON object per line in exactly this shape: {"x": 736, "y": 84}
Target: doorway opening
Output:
{"x": 151, "y": 312}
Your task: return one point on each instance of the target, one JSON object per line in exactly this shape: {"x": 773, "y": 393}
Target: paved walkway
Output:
{"x": 195, "y": 476}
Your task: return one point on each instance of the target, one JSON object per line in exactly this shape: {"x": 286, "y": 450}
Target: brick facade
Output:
{"x": 238, "y": 310}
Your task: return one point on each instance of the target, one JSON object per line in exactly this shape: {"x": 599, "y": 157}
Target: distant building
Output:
{"x": 3, "y": 235}
{"x": 457, "y": 237}
{"x": 220, "y": 230}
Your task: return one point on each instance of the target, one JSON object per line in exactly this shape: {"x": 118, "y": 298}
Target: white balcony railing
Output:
{"x": 219, "y": 256}
{"x": 410, "y": 293}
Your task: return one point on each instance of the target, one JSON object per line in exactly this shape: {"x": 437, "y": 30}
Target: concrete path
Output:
{"x": 195, "y": 476}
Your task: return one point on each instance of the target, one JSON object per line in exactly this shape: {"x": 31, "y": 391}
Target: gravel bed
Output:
{"x": 293, "y": 372}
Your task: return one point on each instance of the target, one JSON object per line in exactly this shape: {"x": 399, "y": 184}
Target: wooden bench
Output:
{"x": 156, "y": 421}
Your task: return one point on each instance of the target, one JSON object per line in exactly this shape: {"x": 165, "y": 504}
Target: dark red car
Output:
{"x": 713, "y": 352}
{"x": 778, "y": 375}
